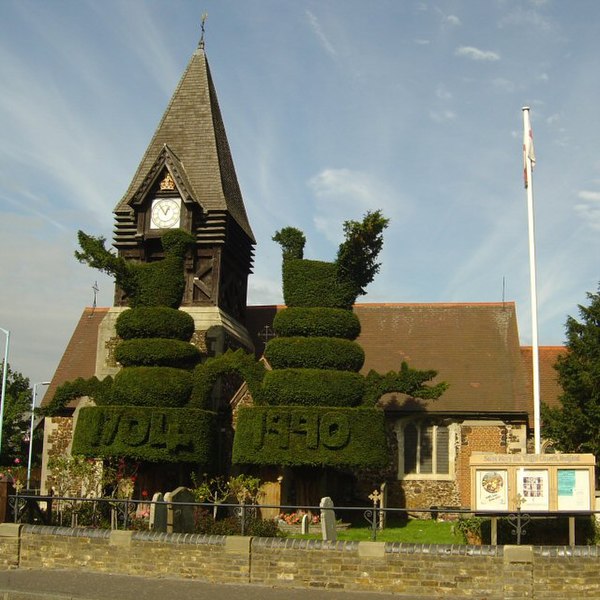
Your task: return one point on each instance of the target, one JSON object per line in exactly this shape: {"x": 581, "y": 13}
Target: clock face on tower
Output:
{"x": 165, "y": 213}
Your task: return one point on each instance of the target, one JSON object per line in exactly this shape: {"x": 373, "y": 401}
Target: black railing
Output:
{"x": 118, "y": 513}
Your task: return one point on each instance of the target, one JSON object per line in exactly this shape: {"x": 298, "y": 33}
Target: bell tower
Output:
{"x": 186, "y": 179}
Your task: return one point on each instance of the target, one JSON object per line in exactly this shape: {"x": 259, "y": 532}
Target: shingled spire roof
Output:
{"x": 192, "y": 129}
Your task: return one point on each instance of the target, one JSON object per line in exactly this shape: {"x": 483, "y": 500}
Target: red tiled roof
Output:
{"x": 550, "y": 389}
{"x": 79, "y": 358}
{"x": 473, "y": 346}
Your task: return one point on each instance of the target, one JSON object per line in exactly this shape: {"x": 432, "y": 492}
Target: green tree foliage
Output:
{"x": 292, "y": 242}
{"x": 357, "y": 255}
{"x": 146, "y": 284}
{"x": 575, "y": 425}
{"x": 15, "y": 427}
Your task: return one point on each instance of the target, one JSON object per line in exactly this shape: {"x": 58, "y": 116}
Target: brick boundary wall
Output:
{"x": 419, "y": 570}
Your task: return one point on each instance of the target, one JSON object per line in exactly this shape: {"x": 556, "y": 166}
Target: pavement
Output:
{"x": 34, "y": 584}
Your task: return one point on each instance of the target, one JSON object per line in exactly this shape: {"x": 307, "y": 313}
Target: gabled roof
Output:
{"x": 193, "y": 130}
{"x": 79, "y": 357}
{"x": 473, "y": 347}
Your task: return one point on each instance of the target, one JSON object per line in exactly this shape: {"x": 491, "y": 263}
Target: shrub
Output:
{"x": 152, "y": 386}
{"x": 317, "y": 322}
{"x": 239, "y": 362}
{"x": 151, "y": 434}
{"x": 99, "y": 390}
{"x": 312, "y": 283}
{"x": 157, "y": 352}
{"x": 313, "y": 387}
{"x": 155, "y": 322}
{"x": 314, "y": 353}
{"x": 311, "y": 436}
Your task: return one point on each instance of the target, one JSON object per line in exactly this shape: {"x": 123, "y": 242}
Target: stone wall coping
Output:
{"x": 567, "y": 551}
{"x": 298, "y": 544}
{"x": 195, "y": 539}
{"x": 90, "y": 532}
{"x": 10, "y": 530}
{"x": 443, "y": 549}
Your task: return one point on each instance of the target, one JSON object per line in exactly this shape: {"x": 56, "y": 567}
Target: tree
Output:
{"x": 575, "y": 425}
{"x": 15, "y": 426}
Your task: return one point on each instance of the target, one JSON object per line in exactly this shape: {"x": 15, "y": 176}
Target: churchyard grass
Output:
{"x": 415, "y": 531}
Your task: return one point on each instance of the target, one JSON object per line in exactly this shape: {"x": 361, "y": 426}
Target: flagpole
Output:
{"x": 528, "y": 159}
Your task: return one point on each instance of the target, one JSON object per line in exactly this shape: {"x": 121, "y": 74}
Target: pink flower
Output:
{"x": 17, "y": 461}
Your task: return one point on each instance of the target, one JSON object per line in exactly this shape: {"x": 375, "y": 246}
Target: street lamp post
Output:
{"x": 6, "y": 332}
{"x": 31, "y": 428}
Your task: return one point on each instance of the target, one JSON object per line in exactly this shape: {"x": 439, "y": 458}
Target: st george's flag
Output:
{"x": 528, "y": 152}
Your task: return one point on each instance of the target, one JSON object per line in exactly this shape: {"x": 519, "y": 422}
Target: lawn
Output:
{"x": 415, "y": 531}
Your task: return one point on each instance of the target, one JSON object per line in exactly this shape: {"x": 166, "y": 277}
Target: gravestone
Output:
{"x": 328, "y": 531}
{"x": 158, "y": 514}
{"x": 180, "y": 519}
{"x": 305, "y": 524}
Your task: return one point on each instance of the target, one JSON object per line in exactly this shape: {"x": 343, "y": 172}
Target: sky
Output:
{"x": 332, "y": 108}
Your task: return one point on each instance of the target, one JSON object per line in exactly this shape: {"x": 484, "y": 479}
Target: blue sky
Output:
{"x": 332, "y": 108}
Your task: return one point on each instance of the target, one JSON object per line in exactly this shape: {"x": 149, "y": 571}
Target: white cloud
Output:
{"x": 441, "y": 116}
{"x": 338, "y": 189}
{"x": 318, "y": 31}
{"x": 476, "y": 54}
{"x": 452, "y": 20}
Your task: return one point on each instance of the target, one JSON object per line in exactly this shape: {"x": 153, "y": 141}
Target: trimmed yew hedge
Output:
{"x": 312, "y": 387}
{"x": 152, "y": 386}
{"x": 317, "y": 322}
{"x": 314, "y": 353}
{"x": 155, "y": 322}
{"x": 160, "y": 352}
{"x": 303, "y": 436}
{"x": 312, "y": 283}
{"x": 231, "y": 362}
{"x": 150, "y": 434}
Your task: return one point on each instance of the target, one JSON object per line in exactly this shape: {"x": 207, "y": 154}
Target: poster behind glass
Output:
{"x": 492, "y": 489}
{"x": 532, "y": 486}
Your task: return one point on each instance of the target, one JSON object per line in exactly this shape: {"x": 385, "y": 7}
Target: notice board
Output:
{"x": 532, "y": 482}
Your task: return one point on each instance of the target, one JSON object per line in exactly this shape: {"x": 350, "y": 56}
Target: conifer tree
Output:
{"x": 575, "y": 425}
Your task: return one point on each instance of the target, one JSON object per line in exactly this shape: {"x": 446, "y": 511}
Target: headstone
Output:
{"x": 181, "y": 518}
{"x": 328, "y": 531}
{"x": 158, "y": 514}
{"x": 383, "y": 504}
{"x": 305, "y": 524}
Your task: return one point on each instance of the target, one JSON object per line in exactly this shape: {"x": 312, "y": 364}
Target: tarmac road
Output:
{"x": 34, "y": 584}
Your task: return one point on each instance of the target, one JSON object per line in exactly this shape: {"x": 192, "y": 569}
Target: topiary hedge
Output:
{"x": 312, "y": 387}
{"x": 157, "y": 351}
{"x": 314, "y": 353}
{"x": 155, "y": 322}
{"x": 317, "y": 322}
{"x": 296, "y": 436}
{"x": 152, "y": 386}
{"x": 238, "y": 362}
{"x": 312, "y": 283}
{"x": 142, "y": 433}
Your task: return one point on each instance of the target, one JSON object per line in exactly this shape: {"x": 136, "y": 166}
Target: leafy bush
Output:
{"x": 313, "y": 387}
{"x": 317, "y": 322}
{"x": 152, "y": 386}
{"x": 99, "y": 390}
{"x": 155, "y": 322}
{"x": 314, "y": 353}
{"x": 312, "y": 283}
{"x": 157, "y": 352}
{"x": 142, "y": 433}
{"x": 239, "y": 362}
{"x": 311, "y": 436}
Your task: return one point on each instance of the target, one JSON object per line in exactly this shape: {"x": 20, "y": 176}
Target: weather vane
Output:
{"x": 204, "y": 17}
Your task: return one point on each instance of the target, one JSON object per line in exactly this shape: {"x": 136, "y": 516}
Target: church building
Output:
{"x": 186, "y": 179}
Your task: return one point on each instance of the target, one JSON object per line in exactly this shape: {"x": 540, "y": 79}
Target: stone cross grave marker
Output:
{"x": 158, "y": 514}
{"x": 180, "y": 519}
{"x": 328, "y": 531}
